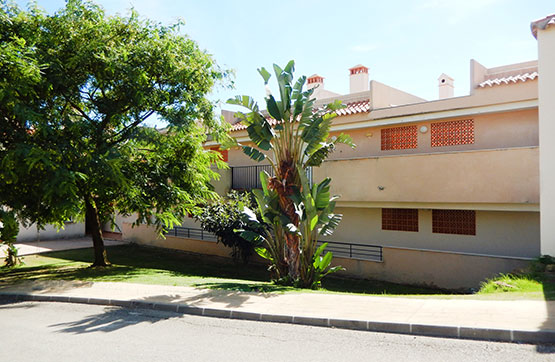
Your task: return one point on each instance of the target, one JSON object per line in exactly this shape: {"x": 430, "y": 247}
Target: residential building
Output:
{"x": 443, "y": 193}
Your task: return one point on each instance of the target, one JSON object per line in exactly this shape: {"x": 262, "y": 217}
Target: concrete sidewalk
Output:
{"x": 37, "y": 247}
{"x": 527, "y": 321}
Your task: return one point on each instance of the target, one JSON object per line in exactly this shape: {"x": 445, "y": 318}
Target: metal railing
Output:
{"x": 248, "y": 177}
{"x": 339, "y": 249}
{"x": 354, "y": 251}
{"x": 191, "y": 233}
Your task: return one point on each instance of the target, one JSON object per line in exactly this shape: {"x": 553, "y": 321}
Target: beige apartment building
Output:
{"x": 443, "y": 193}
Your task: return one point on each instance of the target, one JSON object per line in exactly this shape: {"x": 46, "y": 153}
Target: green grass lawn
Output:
{"x": 530, "y": 286}
{"x": 135, "y": 264}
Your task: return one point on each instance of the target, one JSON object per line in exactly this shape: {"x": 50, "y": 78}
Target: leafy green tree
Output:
{"x": 300, "y": 139}
{"x": 76, "y": 89}
{"x": 223, "y": 217}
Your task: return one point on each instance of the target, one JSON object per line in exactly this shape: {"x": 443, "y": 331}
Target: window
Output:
{"x": 461, "y": 222}
{"x": 400, "y": 219}
{"x": 399, "y": 138}
{"x": 452, "y": 133}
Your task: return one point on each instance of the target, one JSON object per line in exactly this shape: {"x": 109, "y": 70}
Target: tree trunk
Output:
{"x": 100, "y": 256}
{"x": 293, "y": 260}
{"x": 285, "y": 186}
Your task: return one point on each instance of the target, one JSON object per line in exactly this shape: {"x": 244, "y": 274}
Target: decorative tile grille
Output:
{"x": 462, "y": 222}
{"x": 222, "y": 152}
{"x": 452, "y": 133}
{"x": 399, "y": 138}
{"x": 400, "y": 219}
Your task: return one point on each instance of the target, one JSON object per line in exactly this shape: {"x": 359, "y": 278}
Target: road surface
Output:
{"x": 32, "y": 331}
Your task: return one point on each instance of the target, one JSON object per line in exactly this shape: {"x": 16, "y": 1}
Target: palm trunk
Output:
{"x": 100, "y": 256}
{"x": 284, "y": 186}
{"x": 293, "y": 261}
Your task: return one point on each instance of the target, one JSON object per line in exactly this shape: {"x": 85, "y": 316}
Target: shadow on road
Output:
{"x": 7, "y": 303}
{"x": 112, "y": 319}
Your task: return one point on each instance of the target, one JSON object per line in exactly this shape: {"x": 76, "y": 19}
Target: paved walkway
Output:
{"x": 517, "y": 321}
{"x": 524, "y": 321}
{"x": 36, "y": 247}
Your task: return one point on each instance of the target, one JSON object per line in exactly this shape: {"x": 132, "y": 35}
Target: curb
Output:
{"x": 482, "y": 334}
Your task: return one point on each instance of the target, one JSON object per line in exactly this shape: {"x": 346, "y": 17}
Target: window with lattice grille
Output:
{"x": 400, "y": 219}
{"x": 224, "y": 153}
{"x": 461, "y": 222}
{"x": 399, "y": 138}
{"x": 452, "y": 133}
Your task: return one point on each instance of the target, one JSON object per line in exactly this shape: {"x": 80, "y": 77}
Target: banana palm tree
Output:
{"x": 292, "y": 136}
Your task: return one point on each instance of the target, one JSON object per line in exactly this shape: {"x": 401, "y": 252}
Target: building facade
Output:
{"x": 442, "y": 193}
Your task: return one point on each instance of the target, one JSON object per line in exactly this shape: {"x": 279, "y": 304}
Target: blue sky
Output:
{"x": 406, "y": 44}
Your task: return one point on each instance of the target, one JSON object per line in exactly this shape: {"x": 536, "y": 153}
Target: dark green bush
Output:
{"x": 223, "y": 218}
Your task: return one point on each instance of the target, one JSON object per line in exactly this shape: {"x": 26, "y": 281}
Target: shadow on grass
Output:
{"x": 132, "y": 260}
{"x": 176, "y": 262}
{"x": 71, "y": 273}
{"x": 245, "y": 287}
{"x": 365, "y": 286}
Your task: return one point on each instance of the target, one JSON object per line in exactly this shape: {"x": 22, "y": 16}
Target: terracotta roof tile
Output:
{"x": 542, "y": 24}
{"x": 509, "y": 79}
{"x": 354, "y": 108}
{"x": 350, "y": 109}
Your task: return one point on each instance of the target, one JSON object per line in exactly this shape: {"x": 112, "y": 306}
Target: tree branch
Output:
{"x": 78, "y": 109}
{"x": 125, "y": 130}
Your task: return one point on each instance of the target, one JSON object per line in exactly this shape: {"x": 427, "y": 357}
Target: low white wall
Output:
{"x": 146, "y": 235}
{"x": 70, "y": 230}
{"x": 404, "y": 266}
{"x": 430, "y": 268}
{"x": 126, "y": 221}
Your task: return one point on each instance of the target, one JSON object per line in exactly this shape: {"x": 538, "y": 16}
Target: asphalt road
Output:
{"x": 74, "y": 332}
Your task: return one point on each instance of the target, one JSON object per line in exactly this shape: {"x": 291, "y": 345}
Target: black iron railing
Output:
{"x": 248, "y": 177}
{"x": 191, "y": 233}
{"x": 354, "y": 251}
{"x": 339, "y": 249}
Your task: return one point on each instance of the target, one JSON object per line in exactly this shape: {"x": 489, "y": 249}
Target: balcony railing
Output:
{"x": 248, "y": 177}
{"x": 191, "y": 233}
{"x": 354, "y": 251}
{"x": 339, "y": 249}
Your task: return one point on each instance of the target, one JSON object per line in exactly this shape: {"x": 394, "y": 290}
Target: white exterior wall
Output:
{"x": 498, "y": 233}
{"x": 546, "y": 88}
{"x": 70, "y": 230}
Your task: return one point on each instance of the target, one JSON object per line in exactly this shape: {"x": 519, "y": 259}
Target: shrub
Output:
{"x": 223, "y": 217}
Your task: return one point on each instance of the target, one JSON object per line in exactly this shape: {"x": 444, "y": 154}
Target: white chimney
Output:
{"x": 358, "y": 79}
{"x": 446, "y": 86}
{"x": 315, "y": 81}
